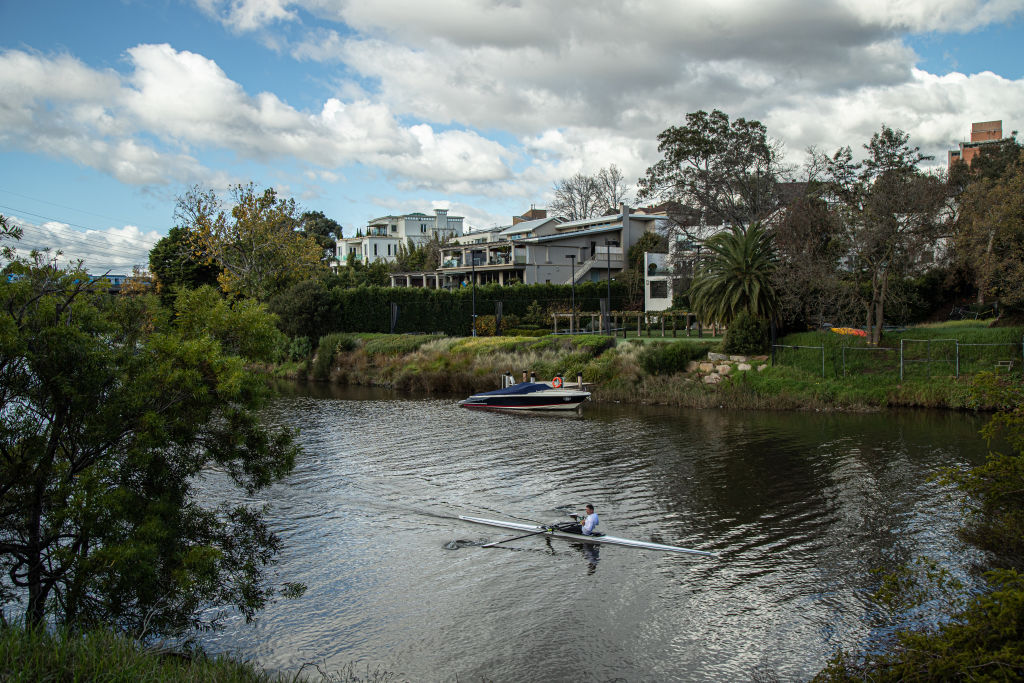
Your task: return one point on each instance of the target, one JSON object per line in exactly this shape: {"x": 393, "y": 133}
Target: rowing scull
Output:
{"x": 613, "y": 540}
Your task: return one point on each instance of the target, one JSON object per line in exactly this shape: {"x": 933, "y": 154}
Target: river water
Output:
{"x": 800, "y": 508}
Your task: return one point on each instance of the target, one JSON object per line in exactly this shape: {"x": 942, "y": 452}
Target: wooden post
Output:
{"x": 674, "y": 325}
{"x": 662, "y": 318}
{"x": 638, "y": 321}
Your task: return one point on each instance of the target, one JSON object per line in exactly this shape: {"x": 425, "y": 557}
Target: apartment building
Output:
{"x": 383, "y": 237}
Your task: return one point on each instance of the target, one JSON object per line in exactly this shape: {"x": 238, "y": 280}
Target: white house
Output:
{"x": 383, "y": 236}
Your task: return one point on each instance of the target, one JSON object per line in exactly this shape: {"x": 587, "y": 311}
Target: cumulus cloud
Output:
{"x": 185, "y": 101}
{"x": 115, "y": 250}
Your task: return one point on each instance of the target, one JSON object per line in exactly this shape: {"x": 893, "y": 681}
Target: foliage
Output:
{"x": 299, "y": 348}
{"x": 108, "y": 416}
{"x": 990, "y": 234}
{"x": 31, "y": 655}
{"x": 319, "y": 227}
{"x": 736, "y": 277}
{"x": 174, "y": 264}
{"x": 243, "y": 327}
{"x": 415, "y": 258}
{"x": 727, "y": 171}
{"x": 984, "y": 642}
{"x": 255, "y": 246}
{"x": 358, "y": 274}
{"x": 889, "y": 211}
{"x": 306, "y": 309}
{"x": 668, "y": 358}
{"x": 8, "y": 231}
{"x": 811, "y": 285}
{"x": 747, "y": 334}
{"x": 330, "y": 346}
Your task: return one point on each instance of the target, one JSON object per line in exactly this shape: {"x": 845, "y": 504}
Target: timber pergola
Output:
{"x": 674, "y": 322}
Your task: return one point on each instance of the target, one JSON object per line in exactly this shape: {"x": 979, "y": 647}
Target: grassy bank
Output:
{"x": 30, "y": 656}
{"x": 856, "y": 376}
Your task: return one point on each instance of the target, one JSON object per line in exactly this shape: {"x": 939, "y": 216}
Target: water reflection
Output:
{"x": 798, "y": 507}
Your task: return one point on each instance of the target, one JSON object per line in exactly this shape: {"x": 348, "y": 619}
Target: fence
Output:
{"x": 650, "y": 324}
{"x": 914, "y": 358}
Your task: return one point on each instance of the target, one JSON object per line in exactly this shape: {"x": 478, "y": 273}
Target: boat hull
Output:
{"x": 607, "y": 540}
{"x": 546, "y": 400}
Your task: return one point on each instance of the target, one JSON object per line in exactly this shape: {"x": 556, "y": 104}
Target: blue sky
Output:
{"x": 360, "y": 108}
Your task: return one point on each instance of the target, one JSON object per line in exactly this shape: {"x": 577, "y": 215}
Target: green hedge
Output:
{"x": 368, "y": 309}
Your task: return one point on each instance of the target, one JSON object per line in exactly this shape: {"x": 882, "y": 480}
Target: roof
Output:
{"x": 575, "y": 233}
{"x": 604, "y": 220}
{"x": 526, "y": 226}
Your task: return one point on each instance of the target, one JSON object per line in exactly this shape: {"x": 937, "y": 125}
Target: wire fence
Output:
{"x": 913, "y": 359}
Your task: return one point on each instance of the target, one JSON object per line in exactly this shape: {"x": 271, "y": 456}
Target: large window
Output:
{"x": 659, "y": 289}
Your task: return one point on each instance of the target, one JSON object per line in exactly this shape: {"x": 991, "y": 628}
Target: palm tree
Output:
{"x": 736, "y": 277}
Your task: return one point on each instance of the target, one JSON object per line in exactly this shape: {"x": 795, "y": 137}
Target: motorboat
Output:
{"x": 530, "y": 395}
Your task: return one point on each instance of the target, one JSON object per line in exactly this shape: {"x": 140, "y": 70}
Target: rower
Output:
{"x": 588, "y": 527}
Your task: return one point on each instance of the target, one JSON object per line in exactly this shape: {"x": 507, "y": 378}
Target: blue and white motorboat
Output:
{"x": 530, "y": 396}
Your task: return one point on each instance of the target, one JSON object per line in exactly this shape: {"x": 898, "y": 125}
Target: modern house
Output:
{"x": 382, "y": 237}
{"x": 538, "y": 250}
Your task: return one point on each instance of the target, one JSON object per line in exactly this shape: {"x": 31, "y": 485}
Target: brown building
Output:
{"x": 981, "y": 133}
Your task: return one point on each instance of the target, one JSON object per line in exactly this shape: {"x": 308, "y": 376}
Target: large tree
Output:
{"x": 990, "y": 233}
{"x": 891, "y": 213}
{"x": 110, "y": 413}
{"x": 583, "y": 196}
{"x": 727, "y": 171}
{"x": 257, "y": 245}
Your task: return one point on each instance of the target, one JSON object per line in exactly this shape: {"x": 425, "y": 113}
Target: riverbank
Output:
{"x": 811, "y": 377}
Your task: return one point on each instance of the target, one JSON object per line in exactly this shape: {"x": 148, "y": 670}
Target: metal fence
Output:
{"x": 914, "y": 358}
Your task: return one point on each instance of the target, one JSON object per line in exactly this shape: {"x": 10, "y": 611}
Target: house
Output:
{"x": 384, "y": 236}
{"x": 536, "y": 249}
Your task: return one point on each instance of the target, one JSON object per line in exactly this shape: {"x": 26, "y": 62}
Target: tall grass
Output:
{"x": 30, "y": 655}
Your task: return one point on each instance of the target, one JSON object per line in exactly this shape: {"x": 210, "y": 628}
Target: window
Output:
{"x": 374, "y": 248}
{"x": 659, "y": 289}
{"x": 423, "y": 227}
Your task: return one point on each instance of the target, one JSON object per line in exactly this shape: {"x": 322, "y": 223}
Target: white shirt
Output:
{"x": 589, "y": 524}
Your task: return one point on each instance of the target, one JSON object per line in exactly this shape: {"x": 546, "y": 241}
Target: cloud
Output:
{"x": 143, "y": 127}
{"x": 114, "y": 249}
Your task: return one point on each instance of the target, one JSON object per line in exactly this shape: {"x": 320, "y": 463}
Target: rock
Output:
{"x": 743, "y": 367}
{"x": 707, "y": 367}
{"x": 762, "y": 367}
{"x": 692, "y": 366}
{"x": 738, "y": 359}
{"x": 712, "y": 379}
{"x": 724, "y": 369}
{"x": 759, "y": 359}
{"x": 717, "y": 356}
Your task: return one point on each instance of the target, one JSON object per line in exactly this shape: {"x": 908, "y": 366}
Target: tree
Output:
{"x": 321, "y": 228}
{"x": 174, "y": 263}
{"x": 990, "y": 234}
{"x": 727, "y": 171}
{"x": 256, "y": 246}
{"x": 890, "y": 212}
{"x": 809, "y": 279}
{"x": 415, "y": 258}
{"x": 737, "y": 276}
{"x": 581, "y": 196}
{"x": 306, "y": 309}
{"x": 109, "y": 414}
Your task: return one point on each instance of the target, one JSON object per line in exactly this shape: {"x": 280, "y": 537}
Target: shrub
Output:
{"x": 746, "y": 334}
{"x": 330, "y": 345}
{"x": 299, "y": 348}
{"x": 486, "y": 325}
{"x": 669, "y": 358}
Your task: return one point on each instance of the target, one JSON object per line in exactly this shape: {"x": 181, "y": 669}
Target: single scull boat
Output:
{"x": 555, "y": 531}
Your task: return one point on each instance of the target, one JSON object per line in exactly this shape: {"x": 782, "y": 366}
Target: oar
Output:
{"x": 515, "y": 538}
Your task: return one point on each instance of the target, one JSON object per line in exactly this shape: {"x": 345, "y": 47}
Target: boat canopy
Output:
{"x": 517, "y": 389}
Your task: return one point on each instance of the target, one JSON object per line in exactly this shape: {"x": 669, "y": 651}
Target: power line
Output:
{"x": 69, "y": 208}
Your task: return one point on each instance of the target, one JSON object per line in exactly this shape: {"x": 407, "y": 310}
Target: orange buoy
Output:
{"x": 556, "y": 382}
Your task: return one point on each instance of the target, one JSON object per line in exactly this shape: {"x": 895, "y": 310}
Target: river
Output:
{"x": 799, "y": 508}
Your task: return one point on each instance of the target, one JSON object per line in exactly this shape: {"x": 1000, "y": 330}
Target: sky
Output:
{"x": 111, "y": 109}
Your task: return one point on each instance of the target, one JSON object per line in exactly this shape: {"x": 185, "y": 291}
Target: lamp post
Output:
{"x": 572, "y": 319}
{"x": 608, "y": 314}
{"x": 472, "y": 265}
